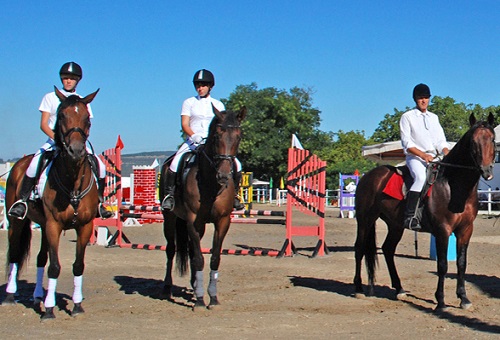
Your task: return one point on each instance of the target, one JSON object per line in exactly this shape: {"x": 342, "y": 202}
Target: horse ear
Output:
{"x": 89, "y": 98}
{"x": 59, "y": 94}
{"x": 472, "y": 119}
{"x": 217, "y": 112}
{"x": 242, "y": 114}
{"x": 491, "y": 119}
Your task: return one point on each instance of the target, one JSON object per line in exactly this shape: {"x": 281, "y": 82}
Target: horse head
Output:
{"x": 483, "y": 145}
{"x": 223, "y": 139}
{"x": 72, "y": 126}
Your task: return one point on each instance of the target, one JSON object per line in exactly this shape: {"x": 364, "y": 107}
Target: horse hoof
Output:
{"x": 199, "y": 305}
{"x": 166, "y": 293}
{"x": 214, "y": 303}
{"x": 77, "y": 309}
{"x": 49, "y": 314}
{"x": 401, "y": 294}
{"x": 358, "y": 295}
{"x": 465, "y": 305}
{"x": 440, "y": 309}
{"x": 9, "y": 300}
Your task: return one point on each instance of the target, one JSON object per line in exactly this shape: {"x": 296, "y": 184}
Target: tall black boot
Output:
{"x": 19, "y": 209}
{"x": 103, "y": 212}
{"x": 168, "y": 202}
{"x": 237, "y": 205}
{"x": 411, "y": 221}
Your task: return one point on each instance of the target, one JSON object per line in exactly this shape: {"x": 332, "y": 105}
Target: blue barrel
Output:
{"x": 452, "y": 248}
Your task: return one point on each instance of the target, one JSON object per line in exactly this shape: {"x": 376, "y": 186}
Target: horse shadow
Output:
{"x": 152, "y": 289}
{"x": 385, "y": 292}
{"x": 24, "y": 297}
{"x": 489, "y": 285}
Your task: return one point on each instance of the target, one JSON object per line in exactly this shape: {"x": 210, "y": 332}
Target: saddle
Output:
{"x": 401, "y": 180}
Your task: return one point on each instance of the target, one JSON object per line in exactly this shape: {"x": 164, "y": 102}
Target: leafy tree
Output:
{"x": 273, "y": 116}
{"x": 454, "y": 118}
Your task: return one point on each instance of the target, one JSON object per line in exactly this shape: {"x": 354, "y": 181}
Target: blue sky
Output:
{"x": 361, "y": 58}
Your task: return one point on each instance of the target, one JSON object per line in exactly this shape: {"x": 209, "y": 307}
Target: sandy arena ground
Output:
{"x": 264, "y": 297}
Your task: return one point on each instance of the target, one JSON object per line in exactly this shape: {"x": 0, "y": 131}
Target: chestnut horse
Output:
{"x": 69, "y": 201}
{"x": 451, "y": 207}
{"x": 206, "y": 195}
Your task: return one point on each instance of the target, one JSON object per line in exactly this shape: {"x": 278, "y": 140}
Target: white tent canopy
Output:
{"x": 387, "y": 152}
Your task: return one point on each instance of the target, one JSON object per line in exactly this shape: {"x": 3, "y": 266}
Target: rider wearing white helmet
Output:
{"x": 196, "y": 115}
{"x": 70, "y": 74}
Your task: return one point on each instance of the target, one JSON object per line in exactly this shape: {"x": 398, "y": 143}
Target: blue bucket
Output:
{"x": 452, "y": 248}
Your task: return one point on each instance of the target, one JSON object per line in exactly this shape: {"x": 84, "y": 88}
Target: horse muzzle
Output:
{"x": 487, "y": 172}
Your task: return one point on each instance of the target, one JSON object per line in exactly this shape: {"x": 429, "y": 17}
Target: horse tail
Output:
{"x": 371, "y": 252}
{"x": 19, "y": 243}
{"x": 182, "y": 245}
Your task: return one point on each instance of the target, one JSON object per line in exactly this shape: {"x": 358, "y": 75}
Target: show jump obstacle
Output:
{"x": 306, "y": 191}
{"x": 305, "y": 186}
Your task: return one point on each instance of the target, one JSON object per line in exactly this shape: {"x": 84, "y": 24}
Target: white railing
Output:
{"x": 490, "y": 198}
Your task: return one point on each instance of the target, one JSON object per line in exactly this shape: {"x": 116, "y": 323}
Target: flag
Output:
{"x": 282, "y": 184}
{"x": 296, "y": 142}
{"x": 155, "y": 164}
{"x": 119, "y": 143}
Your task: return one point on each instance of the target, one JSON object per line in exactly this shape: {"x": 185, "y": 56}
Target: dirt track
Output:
{"x": 264, "y": 297}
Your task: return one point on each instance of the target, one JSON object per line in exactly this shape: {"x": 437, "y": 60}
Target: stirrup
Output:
{"x": 412, "y": 223}
{"x": 104, "y": 213}
{"x": 17, "y": 205}
{"x": 168, "y": 203}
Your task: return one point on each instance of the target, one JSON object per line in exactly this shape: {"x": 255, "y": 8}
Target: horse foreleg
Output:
{"x": 53, "y": 274}
{"x": 11, "y": 289}
{"x": 41, "y": 262}
{"x": 169, "y": 233}
{"x": 389, "y": 248}
{"x": 461, "y": 267}
{"x": 83, "y": 237}
{"x": 221, "y": 229}
{"x": 442, "y": 268}
{"x": 197, "y": 263}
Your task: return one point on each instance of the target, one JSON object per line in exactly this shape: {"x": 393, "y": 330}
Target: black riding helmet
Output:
{"x": 71, "y": 68}
{"x": 421, "y": 91}
{"x": 204, "y": 76}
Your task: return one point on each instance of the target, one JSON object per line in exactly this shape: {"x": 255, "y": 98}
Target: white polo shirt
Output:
{"x": 50, "y": 103}
{"x": 423, "y": 131}
{"x": 200, "y": 112}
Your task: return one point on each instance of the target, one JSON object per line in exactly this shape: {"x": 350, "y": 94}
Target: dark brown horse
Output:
{"x": 206, "y": 195}
{"x": 69, "y": 201}
{"x": 451, "y": 208}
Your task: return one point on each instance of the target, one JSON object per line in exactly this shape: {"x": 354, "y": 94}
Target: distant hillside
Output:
{"x": 142, "y": 158}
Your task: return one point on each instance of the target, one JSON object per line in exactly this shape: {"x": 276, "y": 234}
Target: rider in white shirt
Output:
{"x": 70, "y": 74}
{"x": 196, "y": 115}
{"x": 423, "y": 138}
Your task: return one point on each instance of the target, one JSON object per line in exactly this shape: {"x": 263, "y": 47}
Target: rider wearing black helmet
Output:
{"x": 196, "y": 116}
{"x": 423, "y": 139}
{"x": 70, "y": 74}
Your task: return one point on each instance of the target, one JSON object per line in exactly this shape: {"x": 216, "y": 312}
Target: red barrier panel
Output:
{"x": 306, "y": 191}
{"x": 113, "y": 193}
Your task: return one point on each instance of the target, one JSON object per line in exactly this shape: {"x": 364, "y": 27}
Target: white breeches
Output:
{"x": 185, "y": 148}
{"x": 418, "y": 170}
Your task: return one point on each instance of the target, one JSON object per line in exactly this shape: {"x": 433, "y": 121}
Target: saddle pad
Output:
{"x": 394, "y": 187}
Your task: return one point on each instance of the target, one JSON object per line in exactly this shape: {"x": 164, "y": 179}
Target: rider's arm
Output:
{"x": 44, "y": 125}
{"x": 186, "y": 128}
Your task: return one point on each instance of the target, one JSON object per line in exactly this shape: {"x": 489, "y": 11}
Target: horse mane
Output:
{"x": 464, "y": 144}
{"x": 69, "y": 101}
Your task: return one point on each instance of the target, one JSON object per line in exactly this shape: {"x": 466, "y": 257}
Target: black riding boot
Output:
{"x": 103, "y": 212}
{"x": 237, "y": 205}
{"x": 20, "y": 208}
{"x": 168, "y": 202}
{"x": 411, "y": 221}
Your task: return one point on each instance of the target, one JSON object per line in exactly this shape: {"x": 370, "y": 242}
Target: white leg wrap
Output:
{"x": 38, "y": 293}
{"x": 77, "y": 291}
{"x": 12, "y": 285}
{"x": 50, "y": 299}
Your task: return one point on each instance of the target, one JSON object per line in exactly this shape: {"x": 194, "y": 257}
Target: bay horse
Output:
{"x": 69, "y": 201}
{"x": 451, "y": 207}
{"x": 205, "y": 195}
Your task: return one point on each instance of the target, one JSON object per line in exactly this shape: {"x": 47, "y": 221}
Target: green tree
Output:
{"x": 273, "y": 116}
